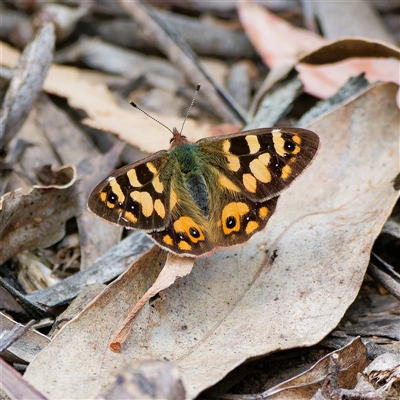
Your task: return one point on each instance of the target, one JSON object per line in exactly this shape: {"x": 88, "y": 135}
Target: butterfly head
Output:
{"x": 177, "y": 139}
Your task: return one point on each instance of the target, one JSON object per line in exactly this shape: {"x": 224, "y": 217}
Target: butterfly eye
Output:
{"x": 172, "y": 139}
{"x": 230, "y": 222}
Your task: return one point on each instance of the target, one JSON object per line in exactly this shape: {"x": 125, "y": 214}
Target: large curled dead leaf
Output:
{"x": 37, "y": 219}
{"x": 287, "y": 287}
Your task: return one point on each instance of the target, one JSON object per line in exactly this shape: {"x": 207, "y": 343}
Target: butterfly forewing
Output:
{"x": 137, "y": 195}
{"x": 261, "y": 163}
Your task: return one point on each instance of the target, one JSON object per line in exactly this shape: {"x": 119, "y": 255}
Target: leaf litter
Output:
{"x": 236, "y": 304}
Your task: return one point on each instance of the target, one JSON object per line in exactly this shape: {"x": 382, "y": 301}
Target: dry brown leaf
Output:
{"x": 277, "y": 41}
{"x": 26, "y": 83}
{"x": 26, "y": 347}
{"x": 351, "y": 359}
{"x": 38, "y": 218}
{"x": 328, "y": 68}
{"x": 289, "y": 286}
{"x": 102, "y": 109}
{"x": 15, "y": 385}
{"x": 282, "y": 46}
{"x": 175, "y": 268}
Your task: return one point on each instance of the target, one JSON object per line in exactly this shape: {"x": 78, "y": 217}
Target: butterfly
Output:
{"x": 216, "y": 192}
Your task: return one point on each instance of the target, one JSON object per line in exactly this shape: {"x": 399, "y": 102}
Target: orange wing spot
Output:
{"x": 253, "y": 143}
{"x": 133, "y": 179}
{"x": 130, "y": 217}
{"x": 110, "y": 205}
{"x": 116, "y": 188}
{"x": 233, "y": 162}
{"x": 103, "y": 196}
{"x": 263, "y": 212}
{"x": 173, "y": 199}
{"x": 296, "y": 150}
{"x": 227, "y": 183}
{"x": 159, "y": 207}
{"x": 231, "y": 216}
{"x": 260, "y": 171}
{"x": 279, "y": 142}
{"x": 145, "y": 200}
{"x": 157, "y": 184}
{"x": 286, "y": 172}
{"x": 168, "y": 240}
{"x": 184, "y": 245}
{"x": 188, "y": 226}
{"x": 251, "y": 227}
{"x": 250, "y": 183}
{"x": 296, "y": 139}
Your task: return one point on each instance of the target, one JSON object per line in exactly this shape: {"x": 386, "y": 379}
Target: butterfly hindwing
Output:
{"x": 188, "y": 230}
{"x": 239, "y": 218}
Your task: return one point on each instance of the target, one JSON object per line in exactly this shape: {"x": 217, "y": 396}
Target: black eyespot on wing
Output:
{"x": 112, "y": 197}
{"x": 194, "y": 232}
{"x": 230, "y": 222}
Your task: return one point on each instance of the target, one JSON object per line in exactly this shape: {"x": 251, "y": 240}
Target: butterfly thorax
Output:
{"x": 190, "y": 168}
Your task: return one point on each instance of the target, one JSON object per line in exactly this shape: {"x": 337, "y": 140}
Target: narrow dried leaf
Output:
{"x": 26, "y": 347}
{"x": 16, "y": 386}
{"x": 114, "y": 262}
{"x": 287, "y": 287}
{"x": 183, "y": 57}
{"x": 175, "y": 268}
{"x": 351, "y": 359}
{"x": 27, "y": 81}
{"x": 38, "y": 218}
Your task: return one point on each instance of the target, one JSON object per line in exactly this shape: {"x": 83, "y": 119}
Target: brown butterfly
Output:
{"x": 216, "y": 192}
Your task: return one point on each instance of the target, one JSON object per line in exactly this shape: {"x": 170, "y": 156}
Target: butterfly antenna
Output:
{"x": 145, "y": 113}
{"x": 190, "y": 107}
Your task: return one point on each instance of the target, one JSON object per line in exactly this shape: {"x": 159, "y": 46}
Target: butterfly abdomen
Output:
{"x": 198, "y": 191}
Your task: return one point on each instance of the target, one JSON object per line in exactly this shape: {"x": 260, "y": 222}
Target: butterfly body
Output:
{"x": 216, "y": 192}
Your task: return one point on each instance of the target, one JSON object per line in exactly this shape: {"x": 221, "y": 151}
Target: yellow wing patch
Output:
{"x": 144, "y": 198}
{"x": 250, "y": 183}
{"x": 133, "y": 179}
{"x": 117, "y": 190}
{"x": 253, "y": 143}
{"x": 260, "y": 171}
